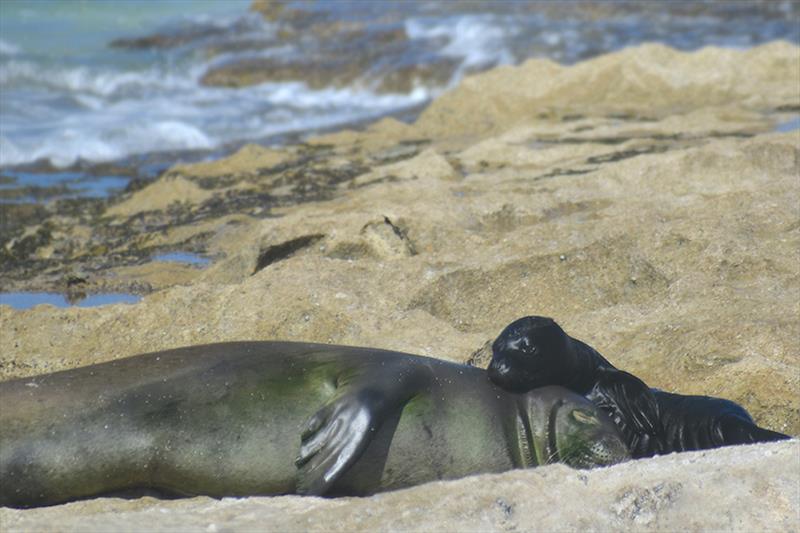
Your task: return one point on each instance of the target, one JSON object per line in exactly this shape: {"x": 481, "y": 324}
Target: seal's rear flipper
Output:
{"x": 736, "y": 430}
{"x": 632, "y": 406}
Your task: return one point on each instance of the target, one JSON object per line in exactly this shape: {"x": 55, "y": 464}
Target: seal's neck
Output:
{"x": 588, "y": 362}
{"x": 526, "y": 451}
{"x": 533, "y": 438}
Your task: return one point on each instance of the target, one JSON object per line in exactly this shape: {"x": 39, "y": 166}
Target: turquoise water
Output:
{"x": 26, "y": 300}
{"x": 72, "y": 185}
{"x": 68, "y": 96}
{"x": 182, "y": 257}
{"x": 80, "y": 30}
{"x": 789, "y": 125}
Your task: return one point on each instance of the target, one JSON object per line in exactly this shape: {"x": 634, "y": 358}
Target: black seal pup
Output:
{"x": 534, "y": 351}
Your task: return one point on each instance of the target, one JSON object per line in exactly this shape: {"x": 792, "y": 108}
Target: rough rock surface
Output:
{"x": 643, "y": 199}
{"x": 749, "y": 488}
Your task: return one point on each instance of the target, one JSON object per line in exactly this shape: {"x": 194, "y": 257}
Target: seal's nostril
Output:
{"x": 499, "y": 368}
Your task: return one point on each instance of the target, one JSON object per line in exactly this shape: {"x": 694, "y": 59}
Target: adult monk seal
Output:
{"x": 534, "y": 351}
{"x": 226, "y": 420}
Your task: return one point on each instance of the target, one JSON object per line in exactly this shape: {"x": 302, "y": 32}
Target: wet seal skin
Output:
{"x": 260, "y": 418}
{"x": 534, "y": 351}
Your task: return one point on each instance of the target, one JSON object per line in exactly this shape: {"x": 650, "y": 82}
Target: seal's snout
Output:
{"x": 520, "y": 343}
{"x": 529, "y": 336}
{"x": 499, "y": 371}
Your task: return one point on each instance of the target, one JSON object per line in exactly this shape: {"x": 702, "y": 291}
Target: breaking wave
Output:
{"x": 79, "y": 98}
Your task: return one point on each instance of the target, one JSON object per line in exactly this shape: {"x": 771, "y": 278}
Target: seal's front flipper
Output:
{"x": 736, "y": 430}
{"x": 337, "y": 435}
{"x": 633, "y": 407}
{"x": 334, "y": 438}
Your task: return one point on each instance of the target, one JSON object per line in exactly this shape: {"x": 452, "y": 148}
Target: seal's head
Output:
{"x": 578, "y": 433}
{"x": 531, "y": 352}
{"x": 586, "y": 437}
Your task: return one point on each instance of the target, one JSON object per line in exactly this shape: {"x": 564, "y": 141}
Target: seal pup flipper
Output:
{"x": 702, "y": 422}
{"x": 336, "y": 436}
{"x": 737, "y": 430}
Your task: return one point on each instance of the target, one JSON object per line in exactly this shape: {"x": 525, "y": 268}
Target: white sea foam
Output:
{"x": 98, "y": 103}
{"x": 8, "y": 49}
{"x": 64, "y": 147}
{"x": 297, "y": 95}
{"x": 479, "y": 39}
{"x": 119, "y": 115}
{"x": 85, "y": 80}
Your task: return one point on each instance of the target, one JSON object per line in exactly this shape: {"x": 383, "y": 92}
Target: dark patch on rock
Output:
{"x": 625, "y": 154}
{"x": 33, "y": 192}
{"x": 642, "y": 505}
{"x": 136, "y": 184}
{"x": 389, "y": 178}
{"x": 83, "y": 209}
{"x": 14, "y": 217}
{"x": 588, "y": 208}
{"x": 284, "y": 250}
{"x": 396, "y": 153}
{"x": 630, "y": 117}
{"x": 563, "y": 172}
{"x": 402, "y": 234}
{"x": 171, "y": 39}
{"x": 21, "y": 249}
{"x": 585, "y": 140}
{"x": 506, "y": 508}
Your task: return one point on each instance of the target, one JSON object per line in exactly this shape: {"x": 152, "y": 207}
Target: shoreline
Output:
{"x": 652, "y": 211}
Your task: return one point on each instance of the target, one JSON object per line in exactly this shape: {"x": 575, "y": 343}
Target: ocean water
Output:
{"x": 68, "y": 95}
{"x": 186, "y": 258}
{"x": 26, "y": 300}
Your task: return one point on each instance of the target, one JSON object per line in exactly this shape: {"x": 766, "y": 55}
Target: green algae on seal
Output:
{"x": 260, "y": 418}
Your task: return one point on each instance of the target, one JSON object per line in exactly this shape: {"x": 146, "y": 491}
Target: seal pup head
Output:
{"x": 531, "y": 352}
{"x": 564, "y": 427}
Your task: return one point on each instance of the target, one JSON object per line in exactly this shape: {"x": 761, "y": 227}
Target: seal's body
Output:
{"x": 534, "y": 352}
{"x": 227, "y": 420}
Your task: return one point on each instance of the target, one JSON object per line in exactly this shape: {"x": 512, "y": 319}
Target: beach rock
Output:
{"x": 332, "y": 53}
{"x": 652, "y": 211}
{"x": 347, "y": 57}
{"x": 159, "y": 196}
{"x": 748, "y": 488}
{"x": 648, "y": 81}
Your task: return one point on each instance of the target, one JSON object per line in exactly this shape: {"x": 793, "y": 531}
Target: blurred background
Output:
{"x": 94, "y": 93}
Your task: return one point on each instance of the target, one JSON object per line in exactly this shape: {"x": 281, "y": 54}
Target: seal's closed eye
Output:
{"x": 585, "y": 417}
{"x": 582, "y": 436}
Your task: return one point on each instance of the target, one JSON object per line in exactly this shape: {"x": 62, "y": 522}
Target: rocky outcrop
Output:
{"x": 652, "y": 211}
{"x": 749, "y": 488}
